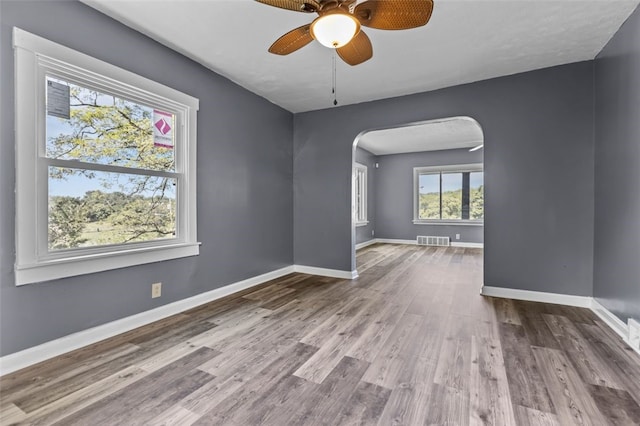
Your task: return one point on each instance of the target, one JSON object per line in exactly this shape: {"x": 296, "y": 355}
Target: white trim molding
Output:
{"x": 37, "y": 59}
{"x": 16, "y": 361}
{"x": 537, "y": 296}
{"x": 395, "y": 241}
{"x": 332, "y": 273}
{"x": 468, "y": 245}
{"x": 430, "y": 222}
{"x": 617, "y": 325}
{"x": 366, "y": 244}
{"x": 611, "y": 320}
{"x": 51, "y": 270}
{"x": 413, "y": 243}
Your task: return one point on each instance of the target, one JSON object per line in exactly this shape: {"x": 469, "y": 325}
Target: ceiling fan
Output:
{"x": 338, "y": 25}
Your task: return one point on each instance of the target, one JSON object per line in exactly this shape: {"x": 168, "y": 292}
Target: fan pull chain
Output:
{"x": 333, "y": 87}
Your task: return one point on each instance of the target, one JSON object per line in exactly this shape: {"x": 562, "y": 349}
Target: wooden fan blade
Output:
{"x": 357, "y": 50}
{"x": 394, "y": 14}
{"x": 307, "y": 6}
{"x": 292, "y": 41}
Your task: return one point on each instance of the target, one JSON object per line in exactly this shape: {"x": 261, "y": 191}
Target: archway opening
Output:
{"x": 421, "y": 183}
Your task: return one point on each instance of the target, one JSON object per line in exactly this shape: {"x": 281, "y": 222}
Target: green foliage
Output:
{"x": 100, "y": 218}
{"x": 146, "y": 218}
{"x": 429, "y": 205}
{"x": 101, "y": 205}
{"x": 451, "y": 205}
{"x": 107, "y": 130}
{"x": 66, "y": 222}
{"x": 476, "y": 210}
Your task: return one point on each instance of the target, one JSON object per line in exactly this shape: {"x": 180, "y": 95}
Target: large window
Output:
{"x": 105, "y": 172}
{"x": 360, "y": 194}
{"x": 449, "y": 194}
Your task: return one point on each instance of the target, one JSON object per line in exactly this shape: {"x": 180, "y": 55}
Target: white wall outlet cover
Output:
{"x": 156, "y": 290}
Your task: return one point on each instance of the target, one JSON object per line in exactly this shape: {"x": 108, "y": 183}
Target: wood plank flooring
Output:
{"x": 410, "y": 342}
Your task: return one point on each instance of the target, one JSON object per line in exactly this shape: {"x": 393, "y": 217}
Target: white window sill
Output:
{"x": 87, "y": 264}
{"x": 365, "y": 223}
{"x": 448, "y": 222}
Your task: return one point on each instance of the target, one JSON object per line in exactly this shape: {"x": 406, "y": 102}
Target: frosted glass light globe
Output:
{"x": 334, "y": 30}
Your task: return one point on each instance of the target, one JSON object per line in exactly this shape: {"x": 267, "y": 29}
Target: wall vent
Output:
{"x": 433, "y": 241}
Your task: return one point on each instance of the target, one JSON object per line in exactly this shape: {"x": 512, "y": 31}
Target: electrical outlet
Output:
{"x": 634, "y": 334}
{"x": 156, "y": 290}
{"x": 457, "y": 236}
{"x": 373, "y": 232}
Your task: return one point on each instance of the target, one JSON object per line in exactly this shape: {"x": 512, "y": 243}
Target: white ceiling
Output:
{"x": 449, "y": 133}
{"x": 465, "y": 41}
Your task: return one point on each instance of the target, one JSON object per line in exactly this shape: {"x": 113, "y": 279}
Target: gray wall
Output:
{"x": 539, "y": 169}
{"x": 367, "y": 232}
{"x": 617, "y": 172}
{"x": 244, "y": 184}
{"x": 539, "y": 177}
{"x": 395, "y": 193}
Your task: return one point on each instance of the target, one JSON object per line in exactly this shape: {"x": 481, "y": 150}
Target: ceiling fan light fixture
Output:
{"x": 335, "y": 30}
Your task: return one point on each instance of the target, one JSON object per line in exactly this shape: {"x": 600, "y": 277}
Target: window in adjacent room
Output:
{"x": 106, "y": 166}
{"x": 449, "y": 194}
{"x": 360, "y": 194}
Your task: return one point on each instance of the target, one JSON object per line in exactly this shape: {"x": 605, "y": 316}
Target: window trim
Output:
{"x": 456, "y": 168}
{"x": 36, "y": 57}
{"x": 359, "y": 167}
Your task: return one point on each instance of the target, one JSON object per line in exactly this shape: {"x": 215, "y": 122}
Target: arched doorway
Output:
{"x": 422, "y": 179}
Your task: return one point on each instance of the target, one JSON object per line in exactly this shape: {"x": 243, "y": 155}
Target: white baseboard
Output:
{"x": 366, "y": 244}
{"x": 469, "y": 245}
{"x": 414, "y": 242}
{"x": 36, "y": 354}
{"x": 394, "y": 241}
{"x": 615, "y": 323}
{"x": 16, "y": 361}
{"x": 333, "y": 273}
{"x": 537, "y": 296}
{"x": 610, "y": 319}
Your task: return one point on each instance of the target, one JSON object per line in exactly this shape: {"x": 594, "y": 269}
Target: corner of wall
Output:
{"x": 593, "y": 147}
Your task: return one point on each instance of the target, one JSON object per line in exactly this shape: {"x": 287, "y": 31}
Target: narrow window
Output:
{"x": 360, "y": 194}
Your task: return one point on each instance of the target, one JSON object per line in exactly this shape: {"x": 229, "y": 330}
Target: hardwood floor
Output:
{"x": 410, "y": 342}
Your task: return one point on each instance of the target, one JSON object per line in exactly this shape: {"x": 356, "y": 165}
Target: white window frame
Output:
{"x": 458, "y": 168}
{"x": 360, "y": 204}
{"x": 35, "y": 58}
